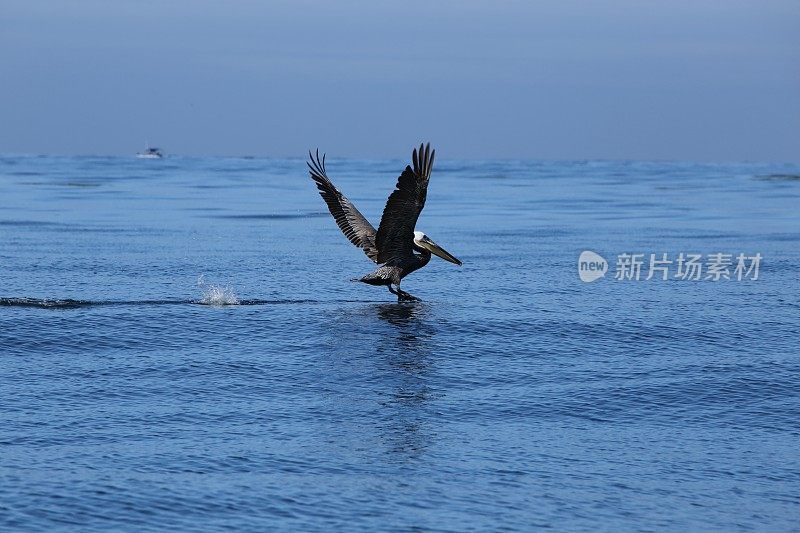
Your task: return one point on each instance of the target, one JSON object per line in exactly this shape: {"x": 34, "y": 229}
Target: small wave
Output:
{"x": 779, "y": 177}
{"x": 272, "y": 216}
{"x": 44, "y": 303}
{"x": 214, "y": 296}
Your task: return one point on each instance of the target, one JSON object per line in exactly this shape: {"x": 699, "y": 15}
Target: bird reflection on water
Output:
{"x": 406, "y": 345}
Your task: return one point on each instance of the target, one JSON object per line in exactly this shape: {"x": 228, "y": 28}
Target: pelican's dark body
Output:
{"x": 395, "y": 245}
{"x": 393, "y": 274}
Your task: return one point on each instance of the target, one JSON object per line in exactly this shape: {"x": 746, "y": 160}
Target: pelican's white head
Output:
{"x": 423, "y": 241}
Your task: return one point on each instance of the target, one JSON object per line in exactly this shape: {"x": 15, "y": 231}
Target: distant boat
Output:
{"x": 150, "y": 153}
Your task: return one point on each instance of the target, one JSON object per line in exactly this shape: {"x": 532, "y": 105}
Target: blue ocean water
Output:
{"x": 514, "y": 396}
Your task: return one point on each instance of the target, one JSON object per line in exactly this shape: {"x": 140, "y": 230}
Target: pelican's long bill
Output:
{"x": 435, "y": 249}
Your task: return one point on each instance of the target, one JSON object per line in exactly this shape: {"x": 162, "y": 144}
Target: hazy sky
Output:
{"x": 628, "y": 79}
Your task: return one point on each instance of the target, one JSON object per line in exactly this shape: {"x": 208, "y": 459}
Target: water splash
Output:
{"x": 215, "y": 294}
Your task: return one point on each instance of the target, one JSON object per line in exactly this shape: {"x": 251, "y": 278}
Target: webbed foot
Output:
{"x": 403, "y": 296}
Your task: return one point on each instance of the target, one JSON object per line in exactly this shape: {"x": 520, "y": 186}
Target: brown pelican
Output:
{"x": 394, "y": 245}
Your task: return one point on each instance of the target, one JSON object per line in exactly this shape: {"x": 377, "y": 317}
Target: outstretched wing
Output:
{"x": 396, "y": 231}
{"x": 352, "y": 223}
